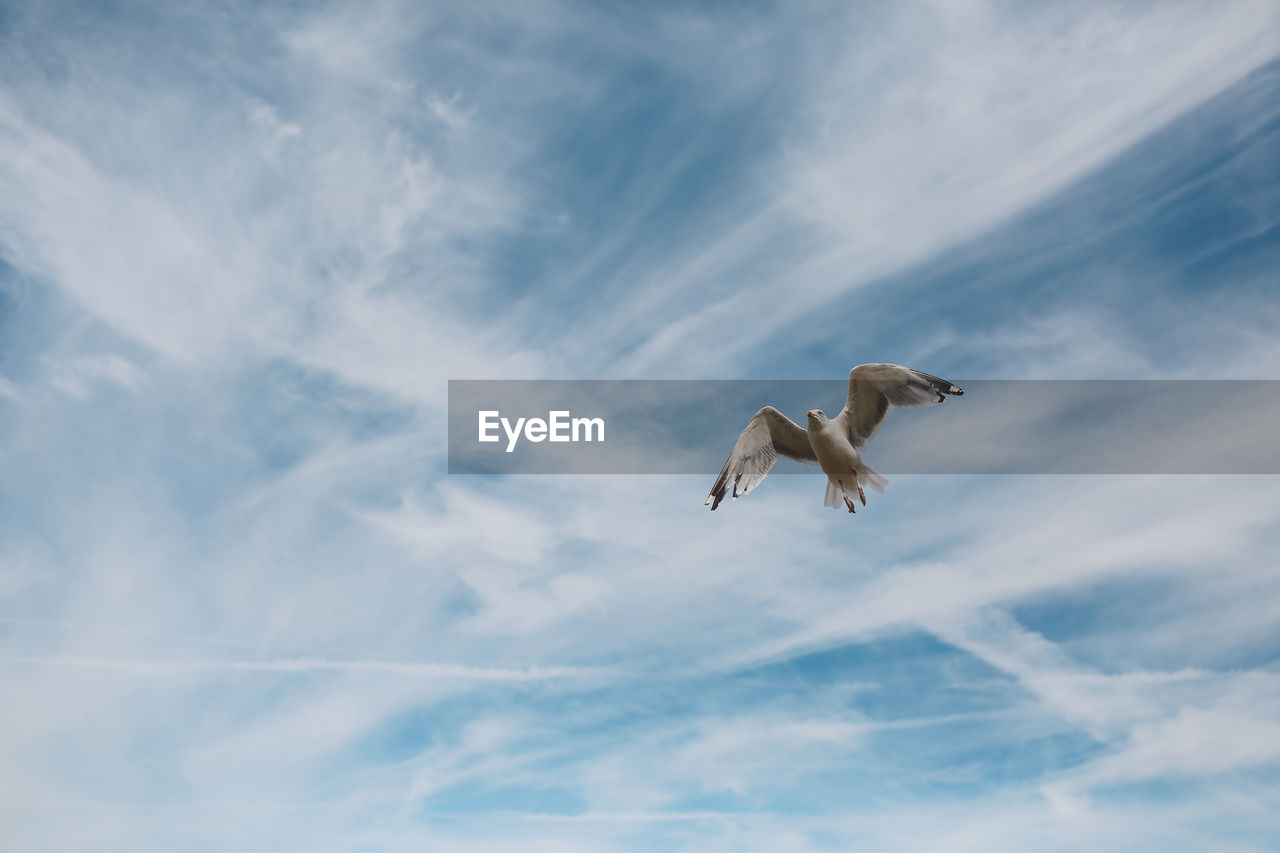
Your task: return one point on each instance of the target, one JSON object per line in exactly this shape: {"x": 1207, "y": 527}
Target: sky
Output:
{"x": 244, "y": 247}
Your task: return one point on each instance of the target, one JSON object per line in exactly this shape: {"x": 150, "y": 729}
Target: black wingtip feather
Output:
{"x": 942, "y": 386}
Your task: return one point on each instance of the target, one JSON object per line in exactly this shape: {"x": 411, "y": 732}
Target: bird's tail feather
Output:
{"x": 869, "y": 477}
{"x": 872, "y": 479}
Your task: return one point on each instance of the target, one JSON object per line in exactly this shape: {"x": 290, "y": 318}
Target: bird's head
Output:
{"x": 816, "y": 415}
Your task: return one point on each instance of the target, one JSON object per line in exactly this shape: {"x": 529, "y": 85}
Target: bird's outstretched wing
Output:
{"x": 768, "y": 435}
{"x": 875, "y": 389}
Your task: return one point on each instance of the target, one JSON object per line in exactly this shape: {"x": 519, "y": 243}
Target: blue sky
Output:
{"x": 243, "y": 247}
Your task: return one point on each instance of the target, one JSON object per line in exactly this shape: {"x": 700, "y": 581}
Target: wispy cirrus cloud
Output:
{"x": 933, "y": 125}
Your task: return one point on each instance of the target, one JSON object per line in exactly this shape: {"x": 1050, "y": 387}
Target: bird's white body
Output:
{"x": 830, "y": 443}
{"x": 834, "y": 451}
{"x": 839, "y": 460}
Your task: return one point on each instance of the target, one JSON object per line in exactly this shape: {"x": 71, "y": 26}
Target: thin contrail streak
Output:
{"x": 444, "y": 671}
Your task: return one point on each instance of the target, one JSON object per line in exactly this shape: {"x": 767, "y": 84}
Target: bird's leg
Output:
{"x": 862, "y": 496}
{"x": 849, "y": 503}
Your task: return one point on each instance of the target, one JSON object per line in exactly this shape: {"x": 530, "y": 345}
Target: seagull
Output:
{"x": 830, "y": 443}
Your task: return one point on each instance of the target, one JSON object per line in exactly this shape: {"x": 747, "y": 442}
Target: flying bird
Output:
{"x": 830, "y": 443}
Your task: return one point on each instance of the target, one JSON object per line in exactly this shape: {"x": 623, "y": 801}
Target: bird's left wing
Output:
{"x": 875, "y": 389}
{"x": 768, "y": 435}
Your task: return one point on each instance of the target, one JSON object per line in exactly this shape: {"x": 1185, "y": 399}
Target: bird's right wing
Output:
{"x": 769, "y": 434}
{"x": 876, "y": 389}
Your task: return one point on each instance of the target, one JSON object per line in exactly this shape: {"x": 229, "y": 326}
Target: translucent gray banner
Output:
{"x": 997, "y": 427}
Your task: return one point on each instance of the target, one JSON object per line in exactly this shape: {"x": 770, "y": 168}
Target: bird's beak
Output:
{"x": 809, "y": 413}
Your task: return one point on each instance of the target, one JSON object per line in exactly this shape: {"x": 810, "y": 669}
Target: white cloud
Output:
{"x": 74, "y": 377}
{"x": 938, "y": 123}
{"x": 8, "y": 390}
{"x": 1074, "y": 531}
{"x": 1194, "y": 742}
